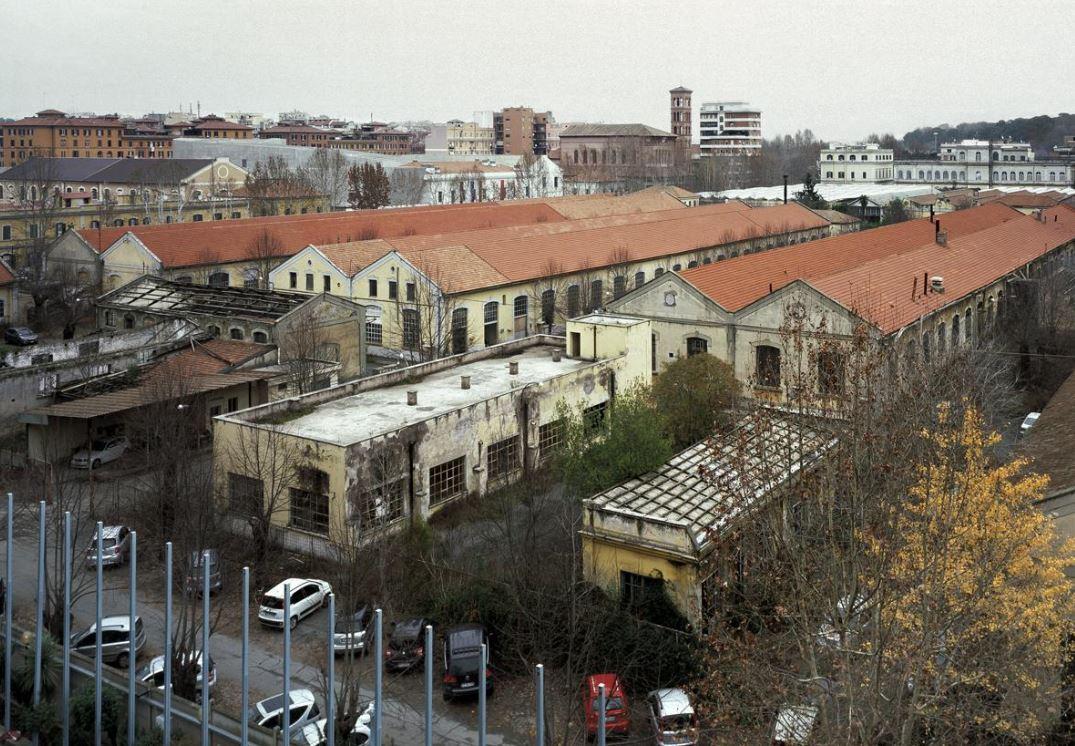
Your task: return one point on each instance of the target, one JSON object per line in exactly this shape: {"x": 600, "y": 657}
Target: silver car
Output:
{"x": 114, "y": 545}
{"x": 152, "y": 674}
{"x": 194, "y": 578}
{"x": 115, "y": 640}
{"x": 351, "y": 631}
{"x": 98, "y": 452}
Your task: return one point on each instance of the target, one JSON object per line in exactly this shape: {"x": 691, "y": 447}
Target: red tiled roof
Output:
{"x": 218, "y": 124}
{"x": 221, "y": 241}
{"x": 1019, "y": 199}
{"x": 527, "y": 252}
{"x": 210, "y": 356}
{"x": 873, "y": 272}
{"x": 6, "y": 275}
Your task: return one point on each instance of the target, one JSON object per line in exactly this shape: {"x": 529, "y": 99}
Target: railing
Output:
{"x": 198, "y": 721}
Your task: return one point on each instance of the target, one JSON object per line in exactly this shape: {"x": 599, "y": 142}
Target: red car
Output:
{"x": 617, "y": 712}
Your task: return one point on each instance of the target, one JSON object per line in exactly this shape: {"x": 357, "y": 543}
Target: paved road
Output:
{"x": 454, "y": 723}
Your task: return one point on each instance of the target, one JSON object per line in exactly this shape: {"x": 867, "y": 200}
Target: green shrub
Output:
{"x": 113, "y": 716}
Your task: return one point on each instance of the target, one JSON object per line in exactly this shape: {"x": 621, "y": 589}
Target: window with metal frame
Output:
{"x": 411, "y": 335}
{"x": 502, "y": 460}
{"x": 383, "y": 503}
{"x": 767, "y": 366}
{"x": 550, "y": 438}
{"x": 447, "y": 480}
{"x": 308, "y": 511}
{"x": 245, "y": 494}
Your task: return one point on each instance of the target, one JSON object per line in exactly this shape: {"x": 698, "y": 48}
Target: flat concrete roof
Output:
{"x": 607, "y": 319}
{"x": 369, "y": 414}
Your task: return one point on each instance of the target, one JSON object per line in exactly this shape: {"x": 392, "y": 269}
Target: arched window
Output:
{"x": 942, "y": 338}
{"x": 640, "y": 279}
{"x": 767, "y": 366}
{"x": 219, "y": 280}
{"x": 989, "y": 313}
{"x": 261, "y": 337}
{"x": 925, "y": 347}
{"x": 921, "y": 174}
{"x": 619, "y": 286}
{"x": 851, "y": 157}
{"x": 955, "y": 332}
{"x": 597, "y": 295}
{"x": 548, "y": 307}
{"x": 235, "y": 333}
{"x": 696, "y": 346}
{"x": 1003, "y": 175}
{"x": 459, "y": 331}
{"x": 128, "y": 321}
{"x": 978, "y": 156}
{"x": 574, "y": 304}
{"x": 692, "y": 264}
{"x": 118, "y": 222}
{"x": 411, "y": 336}
{"x": 658, "y": 272}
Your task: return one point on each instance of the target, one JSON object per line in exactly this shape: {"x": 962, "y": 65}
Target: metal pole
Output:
{"x": 167, "y": 729}
{"x": 40, "y": 612}
{"x": 378, "y": 664}
{"x": 601, "y": 715}
{"x": 206, "y": 663}
{"x": 9, "y": 594}
{"x": 429, "y": 684}
{"x": 132, "y": 652}
{"x": 98, "y": 613}
{"x": 287, "y": 663}
{"x": 65, "y": 692}
{"x": 330, "y": 696}
{"x": 481, "y": 695}
{"x": 244, "y": 697}
{"x": 540, "y": 689}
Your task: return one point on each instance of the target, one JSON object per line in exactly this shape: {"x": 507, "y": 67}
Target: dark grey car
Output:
{"x": 115, "y": 640}
{"x": 194, "y": 577}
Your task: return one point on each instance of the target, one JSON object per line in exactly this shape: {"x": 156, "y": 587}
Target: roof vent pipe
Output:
{"x": 464, "y": 382}
{"x": 936, "y": 283}
{"x": 412, "y": 398}
{"x": 557, "y": 355}
{"x": 513, "y": 368}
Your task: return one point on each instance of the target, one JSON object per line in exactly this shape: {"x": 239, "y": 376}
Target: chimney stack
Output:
{"x": 931, "y": 213}
{"x": 412, "y": 398}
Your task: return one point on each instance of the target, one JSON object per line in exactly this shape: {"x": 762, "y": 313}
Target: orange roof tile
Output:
{"x": 527, "y": 252}
{"x": 221, "y": 241}
{"x": 873, "y": 272}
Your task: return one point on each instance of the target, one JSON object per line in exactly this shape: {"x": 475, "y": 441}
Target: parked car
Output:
{"x": 462, "y": 661}
{"x": 1028, "y": 422}
{"x": 98, "y": 452}
{"x": 307, "y": 596}
{"x": 194, "y": 577}
{"x": 672, "y": 717}
{"x": 351, "y": 631}
{"x": 114, "y": 545}
{"x": 846, "y": 624}
{"x": 269, "y": 712}
{"x": 20, "y": 335}
{"x": 152, "y": 674}
{"x": 115, "y": 640}
{"x": 793, "y": 725}
{"x": 314, "y": 733}
{"x": 406, "y": 645}
{"x": 617, "y": 711}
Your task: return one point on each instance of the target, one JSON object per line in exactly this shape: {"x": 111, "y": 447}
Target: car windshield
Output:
{"x": 612, "y": 703}
{"x": 675, "y": 723}
{"x": 107, "y": 543}
{"x": 272, "y": 602}
{"x": 99, "y": 445}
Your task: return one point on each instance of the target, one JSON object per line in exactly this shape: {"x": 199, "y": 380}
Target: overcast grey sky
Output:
{"x": 844, "y": 68}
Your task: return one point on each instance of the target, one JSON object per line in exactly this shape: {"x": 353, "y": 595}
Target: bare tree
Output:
{"x": 305, "y": 352}
{"x": 325, "y": 174}
{"x": 39, "y": 205}
{"x": 264, "y": 253}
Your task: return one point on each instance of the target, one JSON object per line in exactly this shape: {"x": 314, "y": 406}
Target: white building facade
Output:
{"x": 842, "y": 162}
{"x": 460, "y": 138}
{"x": 986, "y": 163}
{"x": 481, "y": 181}
{"x": 729, "y": 128}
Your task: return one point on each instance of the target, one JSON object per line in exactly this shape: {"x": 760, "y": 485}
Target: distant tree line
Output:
{"x": 1042, "y": 132}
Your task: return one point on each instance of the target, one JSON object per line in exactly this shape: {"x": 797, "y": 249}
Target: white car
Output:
{"x": 152, "y": 674}
{"x": 314, "y": 733}
{"x": 269, "y": 713}
{"x": 99, "y": 451}
{"x": 672, "y": 718}
{"x": 1028, "y": 422}
{"x": 307, "y": 596}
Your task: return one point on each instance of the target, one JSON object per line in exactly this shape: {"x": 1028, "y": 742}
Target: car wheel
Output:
{"x": 122, "y": 660}
{"x": 96, "y": 464}
{"x": 446, "y": 695}
{"x": 294, "y": 622}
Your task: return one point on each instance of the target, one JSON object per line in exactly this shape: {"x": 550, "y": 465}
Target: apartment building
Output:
{"x": 212, "y": 126}
{"x": 519, "y": 130}
{"x": 457, "y": 137}
{"x": 986, "y": 163}
{"x": 728, "y": 128}
{"x": 54, "y": 134}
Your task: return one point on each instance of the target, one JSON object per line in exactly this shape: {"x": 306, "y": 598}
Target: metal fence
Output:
{"x": 211, "y": 726}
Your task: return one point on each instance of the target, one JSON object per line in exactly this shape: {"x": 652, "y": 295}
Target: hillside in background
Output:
{"x": 1042, "y": 132}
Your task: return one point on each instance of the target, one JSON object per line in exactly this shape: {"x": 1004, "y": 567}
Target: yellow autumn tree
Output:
{"x": 975, "y": 601}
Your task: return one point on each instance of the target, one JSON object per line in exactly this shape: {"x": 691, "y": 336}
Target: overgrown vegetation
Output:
{"x": 695, "y": 396}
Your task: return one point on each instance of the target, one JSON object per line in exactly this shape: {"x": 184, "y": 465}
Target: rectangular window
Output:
{"x": 550, "y": 438}
{"x": 410, "y": 291}
{"x": 6, "y": 232}
{"x": 635, "y": 589}
{"x": 447, "y": 480}
{"x": 411, "y": 336}
{"x": 233, "y": 404}
{"x": 292, "y": 280}
{"x": 374, "y": 334}
{"x": 326, "y": 283}
{"x": 594, "y": 417}
{"x": 373, "y": 289}
{"x": 309, "y": 511}
{"x": 502, "y": 460}
{"x": 383, "y": 503}
{"x": 197, "y": 217}
{"x": 89, "y": 348}
{"x": 393, "y": 289}
{"x": 309, "y": 281}
{"x": 244, "y": 494}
